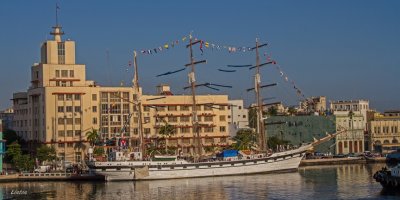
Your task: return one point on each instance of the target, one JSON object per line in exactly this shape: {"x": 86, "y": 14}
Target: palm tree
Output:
{"x": 166, "y": 131}
{"x": 92, "y": 136}
{"x": 244, "y": 139}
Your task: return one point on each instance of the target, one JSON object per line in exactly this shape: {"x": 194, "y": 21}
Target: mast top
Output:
{"x": 57, "y": 33}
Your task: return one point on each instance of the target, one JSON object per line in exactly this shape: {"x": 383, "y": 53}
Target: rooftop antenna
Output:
{"x": 57, "y": 8}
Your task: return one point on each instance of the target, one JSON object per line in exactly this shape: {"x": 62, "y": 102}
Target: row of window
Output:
{"x": 69, "y": 133}
{"x": 62, "y": 109}
{"x": 385, "y": 129}
{"x": 69, "y": 97}
{"x": 68, "y": 121}
{"x": 182, "y": 108}
{"x": 65, "y": 74}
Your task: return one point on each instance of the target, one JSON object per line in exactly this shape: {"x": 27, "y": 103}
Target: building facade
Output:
{"x": 7, "y": 117}
{"x": 238, "y": 117}
{"x": 303, "y": 129}
{"x": 61, "y": 106}
{"x": 384, "y": 132}
{"x": 353, "y": 105}
{"x": 352, "y": 140}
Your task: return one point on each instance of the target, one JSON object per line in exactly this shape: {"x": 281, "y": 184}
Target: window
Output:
{"x": 71, "y": 73}
{"x": 77, "y": 132}
{"x": 60, "y": 108}
{"x": 70, "y": 145}
{"x": 77, "y": 96}
{"x": 61, "y": 145}
{"x": 146, "y": 119}
{"x": 208, "y": 118}
{"x": 77, "y": 120}
{"x": 58, "y": 83}
{"x": 146, "y": 108}
{"x": 185, "y": 130}
{"x": 61, "y": 97}
{"x": 185, "y": 119}
{"x": 185, "y": 108}
{"x": 222, "y": 129}
{"x": 60, "y": 120}
{"x": 94, "y": 109}
{"x": 57, "y": 73}
{"x": 69, "y": 133}
{"x": 244, "y": 116}
{"x": 222, "y": 118}
{"x": 63, "y": 83}
{"x": 69, "y": 120}
{"x": 77, "y": 109}
{"x": 172, "y": 119}
{"x": 221, "y": 107}
{"x": 207, "y": 107}
{"x": 222, "y": 140}
{"x": 172, "y": 108}
{"x": 125, "y": 108}
{"x": 64, "y": 73}
{"x": 94, "y": 121}
{"x": 68, "y": 97}
{"x": 94, "y": 97}
{"x": 61, "y": 52}
{"x": 147, "y": 131}
{"x": 61, "y": 133}
{"x": 69, "y": 108}
{"x": 208, "y": 129}
{"x": 209, "y": 140}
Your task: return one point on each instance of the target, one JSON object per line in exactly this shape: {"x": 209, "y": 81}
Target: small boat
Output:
{"x": 389, "y": 178}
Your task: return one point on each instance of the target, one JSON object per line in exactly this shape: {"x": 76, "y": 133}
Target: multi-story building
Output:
{"x": 238, "y": 116}
{"x": 7, "y": 116}
{"x": 356, "y": 105}
{"x": 384, "y": 132}
{"x": 302, "y": 129}
{"x": 61, "y": 106}
{"x": 315, "y": 104}
{"x": 352, "y": 140}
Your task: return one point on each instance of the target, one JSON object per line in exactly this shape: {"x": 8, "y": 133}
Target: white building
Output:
{"x": 356, "y": 105}
{"x": 351, "y": 141}
{"x": 238, "y": 118}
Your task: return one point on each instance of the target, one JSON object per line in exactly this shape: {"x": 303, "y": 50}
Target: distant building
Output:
{"x": 357, "y": 105}
{"x": 352, "y": 140}
{"x": 315, "y": 104}
{"x": 303, "y": 129}
{"x": 238, "y": 116}
{"x": 384, "y": 132}
{"x": 7, "y": 116}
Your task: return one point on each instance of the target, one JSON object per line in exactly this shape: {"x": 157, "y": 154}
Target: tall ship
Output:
{"x": 124, "y": 165}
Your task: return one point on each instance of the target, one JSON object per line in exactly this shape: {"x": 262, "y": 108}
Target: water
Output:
{"x": 317, "y": 182}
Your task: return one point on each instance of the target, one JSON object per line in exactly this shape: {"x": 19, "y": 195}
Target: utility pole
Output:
{"x": 192, "y": 82}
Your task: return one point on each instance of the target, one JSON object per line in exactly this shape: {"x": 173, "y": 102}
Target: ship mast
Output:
{"x": 262, "y": 143}
{"x": 192, "y": 82}
{"x": 138, "y": 104}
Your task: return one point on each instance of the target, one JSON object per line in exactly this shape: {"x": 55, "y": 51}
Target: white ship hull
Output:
{"x": 142, "y": 170}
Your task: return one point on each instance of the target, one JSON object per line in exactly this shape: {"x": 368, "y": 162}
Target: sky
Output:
{"x": 344, "y": 50}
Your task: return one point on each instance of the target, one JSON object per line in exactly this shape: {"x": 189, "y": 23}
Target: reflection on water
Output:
{"x": 318, "y": 182}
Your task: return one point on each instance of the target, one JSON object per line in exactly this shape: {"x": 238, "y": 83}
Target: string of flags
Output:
{"x": 284, "y": 76}
{"x": 203, "y": 45}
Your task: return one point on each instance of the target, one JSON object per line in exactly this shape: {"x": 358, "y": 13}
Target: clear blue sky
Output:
{"x": 341, "y": 49}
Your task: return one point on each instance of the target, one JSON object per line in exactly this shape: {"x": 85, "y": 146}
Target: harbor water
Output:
{"x": 352, "y": 181}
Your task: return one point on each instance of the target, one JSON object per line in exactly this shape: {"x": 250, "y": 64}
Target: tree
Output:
{"x": 45, "y": 153}
{"x": 244, "y": 139}
{"x": 272, "y": 111}
{"x": 291, "y": 110}
{"x": 166, "y": 131}
{"x": 21, "y": 162}
{"x": 98, "y": 151}
{"x": 92, "y": 136}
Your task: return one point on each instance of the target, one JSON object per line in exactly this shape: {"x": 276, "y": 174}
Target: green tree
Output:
{"x": 244, "y": 139}
{"x": 46, "y": 153}
{"x": 166, "y": 131}
{"x": 98, "y": 151}
{"x": 92, "y": 136}
{"x": 291, "y": 110}
{"x": 272, "y": 111}
{"x": 21, "y": 162}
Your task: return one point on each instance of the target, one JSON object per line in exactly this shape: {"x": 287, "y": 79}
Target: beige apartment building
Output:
{"x": 384, "y": 132}
{"x": 61, "y": 106}
{"x": 351, "y": 141}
